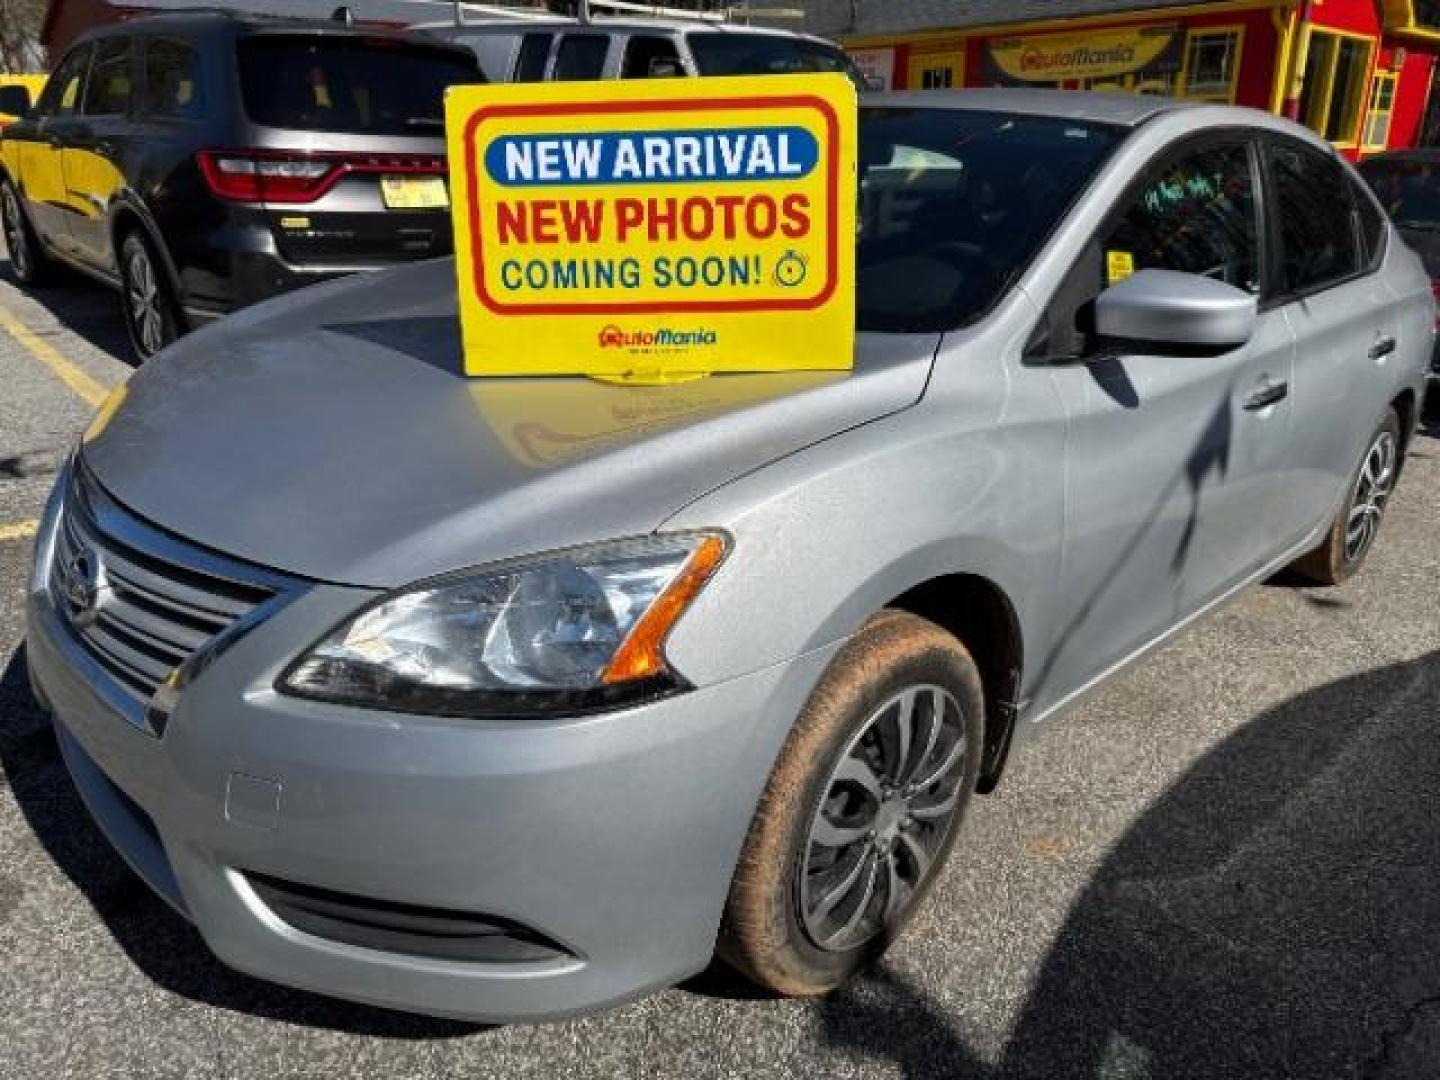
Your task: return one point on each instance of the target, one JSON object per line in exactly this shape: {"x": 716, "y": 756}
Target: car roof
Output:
{"x": 619, "y": 25}
{"x": 1125, "y": 110}
{"x": 220, "y": 20}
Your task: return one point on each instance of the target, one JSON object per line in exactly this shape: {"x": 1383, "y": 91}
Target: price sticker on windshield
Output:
{"x": 654, "y": 230}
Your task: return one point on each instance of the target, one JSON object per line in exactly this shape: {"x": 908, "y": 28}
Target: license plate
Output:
{"x": 414, "y": 192}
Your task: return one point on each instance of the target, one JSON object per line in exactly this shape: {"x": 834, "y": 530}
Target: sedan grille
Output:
{"x": 141, "y": 612}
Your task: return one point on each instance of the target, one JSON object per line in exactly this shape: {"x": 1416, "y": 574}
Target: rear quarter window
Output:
{"x": 354, "y": 85}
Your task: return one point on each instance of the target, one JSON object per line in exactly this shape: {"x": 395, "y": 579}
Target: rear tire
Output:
{"x": 857, "y": 818}
{"x": 28, "y": 261}
{"x": 147, "y": 302}
{"x": 1352, "y": 534}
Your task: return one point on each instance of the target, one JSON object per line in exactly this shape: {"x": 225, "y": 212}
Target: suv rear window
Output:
{"x": 364, "y": 86}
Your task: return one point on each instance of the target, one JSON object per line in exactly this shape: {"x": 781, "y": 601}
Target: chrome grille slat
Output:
{"x": 161, "y": 651}
{"x": 155, "y": 596}
{"x": 174, "y": 592}
{"x": 154, "y": 601}
{"x": 153, "y": 671}
{"x": 170, "y": 635}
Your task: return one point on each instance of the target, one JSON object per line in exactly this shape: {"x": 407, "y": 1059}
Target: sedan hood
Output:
{"x": 331, "y": 434}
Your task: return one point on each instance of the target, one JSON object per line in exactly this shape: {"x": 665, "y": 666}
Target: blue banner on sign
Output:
{"x": 697, "y": 156}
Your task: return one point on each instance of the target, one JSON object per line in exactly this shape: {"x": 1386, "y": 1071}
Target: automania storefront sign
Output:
{"x": 1148, "y": 50}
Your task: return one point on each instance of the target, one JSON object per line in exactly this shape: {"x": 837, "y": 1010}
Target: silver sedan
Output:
{"x": 507, "y": 699}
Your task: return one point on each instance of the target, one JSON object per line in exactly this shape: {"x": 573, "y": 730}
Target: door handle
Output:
{"x": 1382, "y": 348}
{"x": 1267, "y": 394}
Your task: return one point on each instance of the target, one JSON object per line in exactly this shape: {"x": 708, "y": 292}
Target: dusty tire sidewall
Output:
{"x": 1343, "y": 567}
{"x": 892, "y": 654}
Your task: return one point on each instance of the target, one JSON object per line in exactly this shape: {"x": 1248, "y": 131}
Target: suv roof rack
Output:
{"x": 586, "y": 8}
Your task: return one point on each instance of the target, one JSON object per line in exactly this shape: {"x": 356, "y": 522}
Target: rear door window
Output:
{"x": 651, "y": 58}
{"x": 112, "y": 78}
{"x": 355, "y": 85}
{"x": 534, "y": 53}
{"x": 1319, "y": 236}
{"x": 172, "y": 80}
{"x": 581, "y": 57}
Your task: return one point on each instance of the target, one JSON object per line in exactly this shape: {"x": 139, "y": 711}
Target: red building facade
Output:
{"x": 1358, "y": 71}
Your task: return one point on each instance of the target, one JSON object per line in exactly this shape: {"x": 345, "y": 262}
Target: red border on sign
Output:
{"x": 832, "y": 182}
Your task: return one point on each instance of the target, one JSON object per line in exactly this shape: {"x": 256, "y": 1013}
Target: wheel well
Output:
{"x": 1404, "y": 406}
{"x": 979, "y": 613}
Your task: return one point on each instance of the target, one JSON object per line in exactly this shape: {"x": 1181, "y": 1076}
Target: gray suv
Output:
{"x": 569, "y": 50}
{"x": 509, "y": 698}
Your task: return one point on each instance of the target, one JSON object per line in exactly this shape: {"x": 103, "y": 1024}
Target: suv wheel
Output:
{"x": 861, "y": 809}
{"x": 1352, "y": 533}
{"x": 27, "y": 260}
{"x": 146, "y": 297}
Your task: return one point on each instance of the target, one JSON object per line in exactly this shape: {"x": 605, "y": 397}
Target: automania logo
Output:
{"x": 614, "y": 337}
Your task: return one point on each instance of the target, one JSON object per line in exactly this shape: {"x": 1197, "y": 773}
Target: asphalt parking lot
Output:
{"x": 1224, "y": 865}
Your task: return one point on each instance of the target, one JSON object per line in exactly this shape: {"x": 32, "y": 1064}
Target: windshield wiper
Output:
{"x": 424, "y": 121}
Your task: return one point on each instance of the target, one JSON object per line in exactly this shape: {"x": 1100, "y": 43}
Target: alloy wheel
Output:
{"x": 1372, "y": 493}
{"x": 143, "y": 302}
{"x": 883, "y": 820}
{"x": 16, "y": 242}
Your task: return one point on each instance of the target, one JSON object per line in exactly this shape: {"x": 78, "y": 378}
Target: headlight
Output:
{"x": 565, "y": 633}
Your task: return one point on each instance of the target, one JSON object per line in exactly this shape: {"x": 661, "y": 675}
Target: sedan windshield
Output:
{"x": 1409, "y": 191}
{"x": 954, "y": 204}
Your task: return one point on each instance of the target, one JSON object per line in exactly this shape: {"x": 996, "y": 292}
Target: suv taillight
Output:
{"x": 297, "y": 177}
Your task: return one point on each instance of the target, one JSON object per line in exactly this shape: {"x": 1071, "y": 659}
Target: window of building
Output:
{"x": 1212, "y": 64}
{"x": 1382, "y": 107}
{"x": 1337, "y": 72}
{"x": 1319, "y": 240}
{"x": 172, "y": 88}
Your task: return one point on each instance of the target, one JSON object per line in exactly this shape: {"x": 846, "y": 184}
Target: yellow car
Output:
{"x": 32, "y": 84}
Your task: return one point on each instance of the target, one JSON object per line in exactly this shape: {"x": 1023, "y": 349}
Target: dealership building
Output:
{"x": 1358, "y": 71}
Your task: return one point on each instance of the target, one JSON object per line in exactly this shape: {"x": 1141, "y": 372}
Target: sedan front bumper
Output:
{"x": 612, "y": 837}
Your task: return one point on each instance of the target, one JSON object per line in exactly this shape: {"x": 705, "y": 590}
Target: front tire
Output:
{"x": 147, "y": 301}
{"x": 1352, "y": 533}
{"x": 861, "y": 808}
{"x": 28, "y": 261}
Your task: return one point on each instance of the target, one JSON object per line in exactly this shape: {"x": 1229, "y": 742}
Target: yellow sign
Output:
{"x": 1118, "y": 266}
{"x": 665, "y": 228}
{"x": 1094, "y": 54}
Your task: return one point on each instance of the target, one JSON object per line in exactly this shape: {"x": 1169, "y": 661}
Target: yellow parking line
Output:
{"x": 18, "y": 530}
{"x": 63, "y": 368}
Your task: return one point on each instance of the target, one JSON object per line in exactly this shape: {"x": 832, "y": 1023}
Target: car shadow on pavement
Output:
{"x": 164, "y": 946}
{"x": 1274, "y": 913}
{"x": 82, "y": 307}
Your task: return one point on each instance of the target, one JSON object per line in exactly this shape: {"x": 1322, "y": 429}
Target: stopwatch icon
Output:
{"x": 791, "y": 269}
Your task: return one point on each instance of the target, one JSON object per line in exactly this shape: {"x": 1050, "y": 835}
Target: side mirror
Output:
{"x": 1168, "y": 308}
{"x": 15, "y": 100}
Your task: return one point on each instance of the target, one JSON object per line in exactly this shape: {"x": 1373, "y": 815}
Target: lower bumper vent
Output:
{"x": 409, "y": 929}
